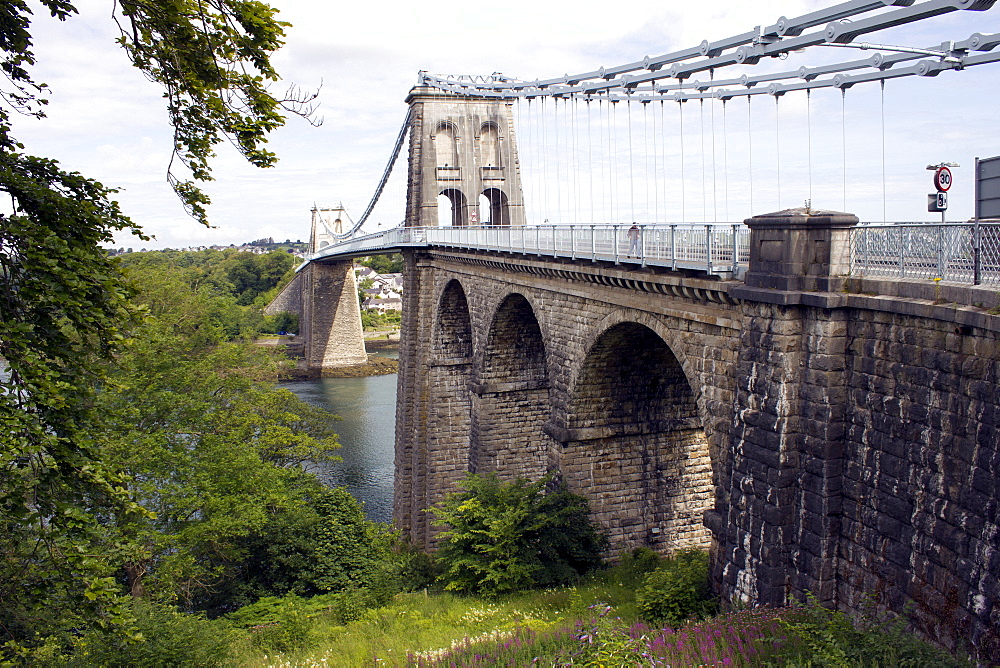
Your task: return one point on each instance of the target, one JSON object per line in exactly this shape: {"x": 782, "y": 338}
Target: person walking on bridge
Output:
{"x": 633, "y": 240}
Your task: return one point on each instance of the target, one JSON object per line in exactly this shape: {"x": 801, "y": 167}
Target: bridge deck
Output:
{"x": 955, "y": 252}
{"x": 720, "y": 249}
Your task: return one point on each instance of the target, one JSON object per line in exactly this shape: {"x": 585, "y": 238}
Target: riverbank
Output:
{"x": 377, "y": 365}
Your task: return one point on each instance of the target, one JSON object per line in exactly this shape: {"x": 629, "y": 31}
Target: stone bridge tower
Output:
{"x": 464, "y": 149}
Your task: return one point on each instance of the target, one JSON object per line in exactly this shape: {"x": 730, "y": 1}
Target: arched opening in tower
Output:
{"x": 635, "y": 446}
{"x": 511, "y": 399}
{"x": 452, "y": 209}
{"x": 454, "y": 329}
{"x": 446, "y": 146}
{"x": 496, "y": 201}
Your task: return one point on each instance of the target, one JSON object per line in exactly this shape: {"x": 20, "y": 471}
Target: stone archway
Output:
{"x": 450, "y": 412}
{"x": 459, "y": 206}
{"x": 498, "y": 212}
{"x": 453, "y": 330}
{"x": 634, "y": 443}
{"x": 512, "y": 396}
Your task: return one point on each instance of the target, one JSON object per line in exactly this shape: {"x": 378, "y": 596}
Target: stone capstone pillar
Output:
{"x": 800, "y": 250}
{"x": 331, "y": 316}
{"x": 781, "y": 530}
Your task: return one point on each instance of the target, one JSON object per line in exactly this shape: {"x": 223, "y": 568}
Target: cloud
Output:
{"x": 107, "y": 121}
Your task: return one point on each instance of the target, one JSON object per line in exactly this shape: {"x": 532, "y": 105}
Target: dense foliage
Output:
{"x": 678, "y": 590}
{"x": 593, "y": 623}
{"x": 231, "y": 287}
{"x": 64, "y": 306}
{"x": 502, "y": 537}
{"x": 384, "y": 264}
{"x": 328, "y": 546}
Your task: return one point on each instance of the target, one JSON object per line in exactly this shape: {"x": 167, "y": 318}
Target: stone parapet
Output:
{"x": 799, "y": 249}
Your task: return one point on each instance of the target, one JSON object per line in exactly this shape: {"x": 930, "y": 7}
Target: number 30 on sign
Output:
{"x": 942, "y": 179}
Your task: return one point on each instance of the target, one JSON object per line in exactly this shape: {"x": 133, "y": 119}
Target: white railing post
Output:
{"x": 736, "y": 248}
{"x": 902, "y": 255}
{"x": 642, "y": 246}
{"x": 708, "y": 248}
{"x": 977, "y": 254}
{"x": 673, "y": 247}
{"x": 572, "y": 242}
{"x": 593, "y": 244}
{"x": 614, "y": 240}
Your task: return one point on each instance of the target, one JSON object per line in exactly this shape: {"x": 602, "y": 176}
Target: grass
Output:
{"x": 426, "y": 625}
{"x": 596, "y": 624}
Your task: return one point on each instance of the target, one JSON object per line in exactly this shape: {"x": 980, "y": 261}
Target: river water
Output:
{"x": 367, "y": 431}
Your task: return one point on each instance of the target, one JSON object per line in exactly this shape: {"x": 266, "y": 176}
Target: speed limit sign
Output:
{"x": 942, "y": 179}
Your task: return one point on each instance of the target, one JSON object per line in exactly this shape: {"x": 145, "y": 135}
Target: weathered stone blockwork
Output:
{"x": 826, "y": 442}
{"x": 922, "y": 474}
{"x": 866, "y": 465}
{"x": 622, "y": 387}
{"x": 866, "y": 444}
{"x": 331, "y": 316}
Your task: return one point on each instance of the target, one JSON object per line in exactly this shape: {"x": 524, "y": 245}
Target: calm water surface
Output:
{"x": 367, "y": 431}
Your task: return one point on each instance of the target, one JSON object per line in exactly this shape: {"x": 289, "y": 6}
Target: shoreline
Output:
{"x": 377, "y": 365}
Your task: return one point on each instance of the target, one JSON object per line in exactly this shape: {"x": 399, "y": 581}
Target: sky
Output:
{"x": 107, "y": 122}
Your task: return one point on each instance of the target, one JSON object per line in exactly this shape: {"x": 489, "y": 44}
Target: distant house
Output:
{"x": 386, "y": 291}
{"x": 383, "y": 305}
{"x": 364, "y": 272}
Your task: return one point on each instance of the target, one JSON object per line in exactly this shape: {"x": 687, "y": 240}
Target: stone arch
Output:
{"x": 511, "y": 399}
{"x": 668, "y": 334}
{"x": 446, "y": 145}
{"x": 515, "y": 348}
{"x": 459, "y": 206}
{"x": 489, "y": 145}
{"x": 633, "y": 441}
{"x": 499, "y": 213}
{"x": 453, "y": 340}
{"x": 448, "y": 373}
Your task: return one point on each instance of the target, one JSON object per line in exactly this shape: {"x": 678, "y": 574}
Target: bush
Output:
{"x": 326, "y": 546}
{"x": 505, "y": 537}
{"x": 823, "y": 637}
{"x": 420, "y": 570}
{"x": 678, "y": 590}
{"x": 169, "y": 638}
{"x": 287, "y": 624}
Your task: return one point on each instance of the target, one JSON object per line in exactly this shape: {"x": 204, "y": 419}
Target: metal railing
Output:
{"x": 720, "y": 249}
{"x": 956, "y": 252}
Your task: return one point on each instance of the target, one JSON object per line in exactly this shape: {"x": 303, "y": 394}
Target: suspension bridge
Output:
{"x": 811, "y": 397}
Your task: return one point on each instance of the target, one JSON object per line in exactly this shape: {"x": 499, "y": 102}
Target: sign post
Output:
{"x": 938, "y": 201}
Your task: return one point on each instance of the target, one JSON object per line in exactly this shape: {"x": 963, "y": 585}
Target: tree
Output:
{"x": 502, "y": 537}
{"x": 64, "y": 303}
{"x": 384, "y": 264}
{"x": 325, "y": 546}
{"x": 208, "y": 447}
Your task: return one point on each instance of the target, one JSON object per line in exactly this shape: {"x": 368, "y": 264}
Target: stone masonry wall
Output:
{"x": 866, "y": 456}
{"x": 835, "y": 443}
{"x": 645, "y": 490}
{"x": 521, "y": 418}
{"x": 921, "y": 501}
